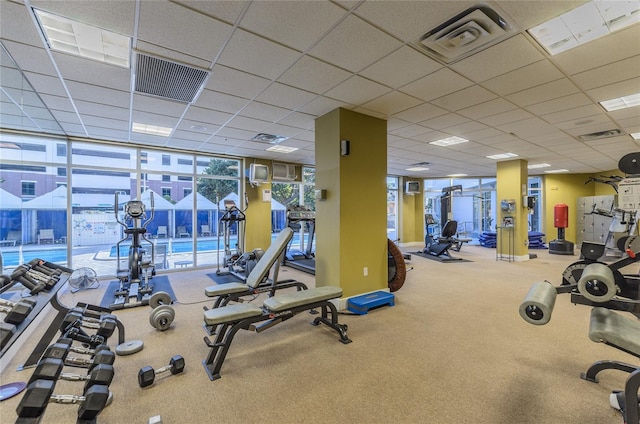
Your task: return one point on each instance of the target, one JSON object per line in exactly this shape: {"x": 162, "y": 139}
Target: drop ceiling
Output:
{"x": 273, "y": 67}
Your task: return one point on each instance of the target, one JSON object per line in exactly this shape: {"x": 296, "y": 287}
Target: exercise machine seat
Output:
{"x": 287, "y": 301}
{"x": 614, "y": 329}
{"x": 233, "y": 312}
{"x": 449, "y": 230}
{"x": 227, "y": 288}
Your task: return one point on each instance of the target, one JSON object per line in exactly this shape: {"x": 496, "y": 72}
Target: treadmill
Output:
{"x": 299, "y": 217}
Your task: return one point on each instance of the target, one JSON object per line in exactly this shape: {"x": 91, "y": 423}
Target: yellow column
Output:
{"x": 511, "y": 186}
{"x": 258, "y": 225}
{"x": 351, "y": 245}
{"x": 411, "y": 214}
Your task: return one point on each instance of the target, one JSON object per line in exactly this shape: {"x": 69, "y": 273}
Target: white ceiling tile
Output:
{"x": 302, "y": 22}
{"x": 544, "y": 92}
{"x": 506, "y": 117}
{"x": 32, "y": 59}
{"x": 498, "y": 59}
{"x": 444, "y": 121}
{"x": 321, "y": 105}
{"x": 145, "y": 103}
{"x": 236, "y": 83}
{"x": 527, "y": 14}
{"x": 255, "y": 55}
{"x": 581, "y": 123}
{"x": 354, "y": 45}
{"x": 228, "y": 11}
{"x": 264, "y": 111}
{"x": 150, "y": 118}
{"x": 175, "y": 27}
{"x": 528, "y": 128}
{"x": 560, "y": 104}
{"x": 75, "y": 68}
{"x": 437, "y": 84}
{"x": 464, "y": 98}
{"x": 16, "y": 24}
{"x": 532, "y": 75}
{"x": 255, "y": 125}
{"x": 420, "y": 113}
{"x": 207, "y": 116}
{"x": 313, "y": 75}
{"x": 409, "y": 19}
{"x": 608, "y": 74}
{"x": 97, "y": 109}
{"x": 410, "y": 131}
{"x": 572, "y": 114}
{"x": 299, "y": 120}
{"x": 209, "y": 99}
{"x": 603, "y": 51}
{"x": 357, "y": 90}
{"x": 492, "y": 107}
{"x": 414, "y": 65}
{"x": 618, "y": 89}
{"x": 285, "y": 96}
{"x": 391, "y": 103}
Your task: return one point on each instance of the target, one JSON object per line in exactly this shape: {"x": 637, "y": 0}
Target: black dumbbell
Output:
{"x": 104, "y": 326}
{"x": 6, "y": 333}
{"x": 41, "y": 266}
{"x": 147, "y": 374}
{"x": 48, "y": 280}
{"x": 16, "y": 311}
{"x": 20, "y": 275}
{"x": 61, "y": 351}
{"x": 39, "y": 394}
{"x": 51, "y": 369}
{"x": 82, "y": 349}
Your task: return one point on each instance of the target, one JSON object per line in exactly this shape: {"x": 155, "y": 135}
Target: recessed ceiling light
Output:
{"x": 449, "y": 141}
{"x": 198, "y": 128}
{"x": 556, "y": 171}
{"x": 538, "y": 165}
{"x": 151, "y": 129}
{"x": 282, "y": 149}
{"x": 76, "y": 38}
{"x": 621, "y": 102}
{"x": 502, "y": 156}
{"x": 636, "y": 136}
{"x": 417, "y": 168}
{"x": 585, "y": 23}
{"x": 457, "y": 175}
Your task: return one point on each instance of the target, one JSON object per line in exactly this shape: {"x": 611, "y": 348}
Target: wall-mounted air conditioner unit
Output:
{"x": 283, "y": 172}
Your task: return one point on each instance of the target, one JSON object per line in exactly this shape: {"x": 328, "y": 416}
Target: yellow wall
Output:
{"x": 562, "y": 188}
{"x": 351, "y": 222}
{"x": 258, "y": 224}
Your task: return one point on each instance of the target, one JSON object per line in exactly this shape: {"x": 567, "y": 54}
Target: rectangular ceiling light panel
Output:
{"x": 502, "y": 156}
{"x": 73, "y": 37}
{"x": 162, "y": 78}
{"x": 449, "y": 141}
{"x": 470, "y": 31}
{"x": 585, "y": 23}
{"x": 621, "y": 102}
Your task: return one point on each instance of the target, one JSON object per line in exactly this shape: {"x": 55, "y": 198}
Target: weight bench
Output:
{"x": 226, "y": 321}
{"x": 257, "y": 281}
{"x": 622, "y": 333}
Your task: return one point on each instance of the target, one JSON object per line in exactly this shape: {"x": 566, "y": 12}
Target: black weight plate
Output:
{"x": 630, "y": 163}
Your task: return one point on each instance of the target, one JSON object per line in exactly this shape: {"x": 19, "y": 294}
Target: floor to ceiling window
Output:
{"x": 39, "y": 174}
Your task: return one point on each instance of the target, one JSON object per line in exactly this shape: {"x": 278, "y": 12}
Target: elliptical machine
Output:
{"x": 236, "y": 261}
{"x": 134, "y": 289}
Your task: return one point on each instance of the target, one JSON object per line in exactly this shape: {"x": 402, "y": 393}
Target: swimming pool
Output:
{"x": 12, "y": 259}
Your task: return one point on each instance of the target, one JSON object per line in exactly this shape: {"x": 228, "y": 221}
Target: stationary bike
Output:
{"x": 134, "y": 289}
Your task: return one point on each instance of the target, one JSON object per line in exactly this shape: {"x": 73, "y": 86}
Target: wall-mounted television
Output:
{"x": 412, "y": 187}
{"x": 258, "y": 173}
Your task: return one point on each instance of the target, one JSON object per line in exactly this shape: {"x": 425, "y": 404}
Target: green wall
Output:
{"x": 411, "y": 214}
{"x": 258, "y": 225}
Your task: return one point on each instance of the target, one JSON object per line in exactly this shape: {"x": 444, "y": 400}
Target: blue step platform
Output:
{"x": 361, "y": 304}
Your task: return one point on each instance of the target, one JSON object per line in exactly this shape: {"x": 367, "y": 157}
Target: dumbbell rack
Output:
{"x": 50, "y": 297}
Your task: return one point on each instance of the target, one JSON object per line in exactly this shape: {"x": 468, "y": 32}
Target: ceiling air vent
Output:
{"x": 268, "y": 138}
{"x": 601, "y": 134}
{"x": 465, "y": 34}
{"x": 170, "y": 80}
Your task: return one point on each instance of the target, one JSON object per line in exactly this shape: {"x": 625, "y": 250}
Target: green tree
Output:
{"x": 218, "y": 188}
{"x": 285, "y": 193}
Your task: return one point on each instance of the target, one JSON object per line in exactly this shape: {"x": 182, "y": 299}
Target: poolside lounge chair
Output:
{"x": 182, "y": 232}
{"x": 46, "y": 236}
{"x": 204, "y": 230}
{"x": 162, "y": 231}
{"x": 13, "y": 238}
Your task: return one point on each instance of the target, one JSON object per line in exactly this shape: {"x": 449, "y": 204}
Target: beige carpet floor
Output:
{"x": 453, "y": 349}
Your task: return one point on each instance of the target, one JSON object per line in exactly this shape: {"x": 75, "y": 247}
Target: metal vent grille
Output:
{"x": 166, "y": 79}
{"x": 601, "y": 134}
{"x": 467, "y": 33}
